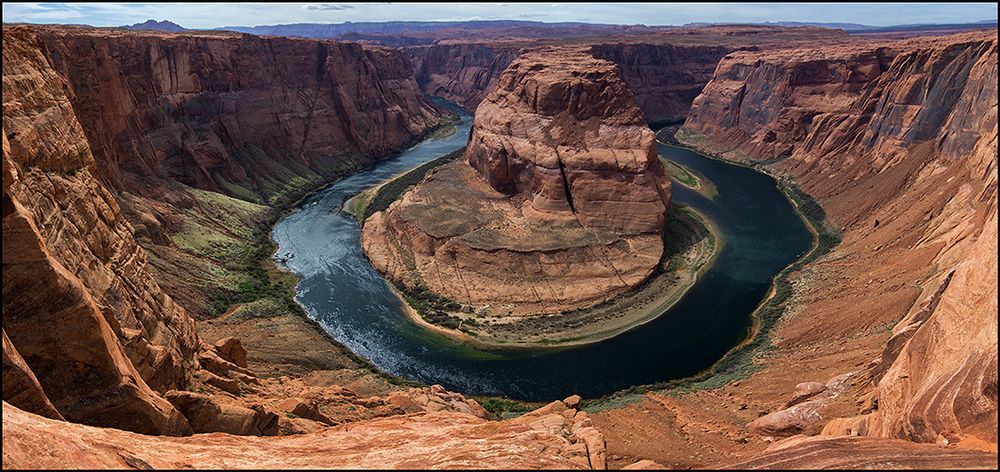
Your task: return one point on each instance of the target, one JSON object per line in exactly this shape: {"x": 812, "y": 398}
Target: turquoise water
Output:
{"x": 340, "y": 289}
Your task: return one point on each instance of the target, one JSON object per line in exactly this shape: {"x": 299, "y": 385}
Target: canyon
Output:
{"x": 139, "y": 168}
{"x": 665, "y": 69}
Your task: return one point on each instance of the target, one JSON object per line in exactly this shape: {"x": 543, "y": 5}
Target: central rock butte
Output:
{"x": 559, "y": 204}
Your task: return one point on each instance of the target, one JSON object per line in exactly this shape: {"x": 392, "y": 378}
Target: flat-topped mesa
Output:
{"x": 564, "y": 130}
{"x": 560, "y": 203}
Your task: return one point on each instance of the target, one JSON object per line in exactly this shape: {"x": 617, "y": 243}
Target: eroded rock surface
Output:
{"x": 81, "y": 305}
{"x": 238, "y": 114}
{"x": 899, "y": 142}
{"x": 553, "y": 437}
{"x": 559, "y": 205}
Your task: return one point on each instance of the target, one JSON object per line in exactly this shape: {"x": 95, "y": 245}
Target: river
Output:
{"x": 761, "y": 231}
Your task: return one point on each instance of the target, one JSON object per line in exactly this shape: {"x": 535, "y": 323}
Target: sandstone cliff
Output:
{"x": 562, "y": 194}
{"x": 663, "y": 77}
{"x": 898, "y": 141}
{"x": 102, "y": 127}
{"x": 80, "y": 303}
{"x": 665, "y": 70}
{"x": 461, "y": 73}
{"x": 239, "y": 114}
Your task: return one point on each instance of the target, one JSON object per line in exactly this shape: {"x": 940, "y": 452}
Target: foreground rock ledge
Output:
{"x": 559, "y": 205}
{"x": 556, "y": 436}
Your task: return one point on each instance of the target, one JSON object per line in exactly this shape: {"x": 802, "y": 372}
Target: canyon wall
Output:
{"x": 561, "y": 192}
{"x": 461, "y": 73}
{"x": 664, "y": 78}
{"x": 665, "y": 70}
{"x": 898, "y": 142}
{"x": 81, "y": 306}
{"x": 102, "y": 130}
{"x": 238, "y": 114}
{"x": 258, "y": 119}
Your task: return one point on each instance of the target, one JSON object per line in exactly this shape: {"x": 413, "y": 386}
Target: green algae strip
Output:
{"x": 377, "y": 198}
{"x": 690, "y": 178}
{"x": 738, "y": 363}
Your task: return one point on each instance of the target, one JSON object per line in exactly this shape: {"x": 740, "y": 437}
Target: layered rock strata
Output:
{"x": 238, "y": 114}
{"x": 81, "y": 305}
{"x": 665, "y": 70}
{"x": 106, "y": 126}
{"x": 664, "y": 78}
{"x": 461, "y": 73}
{"x": 899, "y": 143}
{"x": 560, "y": 202}
{"x": 556, "y": 436}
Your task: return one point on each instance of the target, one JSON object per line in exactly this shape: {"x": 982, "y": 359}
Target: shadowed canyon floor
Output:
{"x": 143, "y": 170}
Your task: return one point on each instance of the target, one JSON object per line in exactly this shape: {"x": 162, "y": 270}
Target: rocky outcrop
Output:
{"x": 804, "y": 452}
{"x": 566, "y": 133}
{"x": 665, "y": 69}
{"x": 899, "y": 143}
{"x": 218, "y": 413}
{"x": 562, "y": 193}
{"x": 943, "y": 385}
{"x": 100, "y": 126}
{"x": 806, "y": 413}
{"x": 555, "y": 436}
{"x": 21, "y": 387}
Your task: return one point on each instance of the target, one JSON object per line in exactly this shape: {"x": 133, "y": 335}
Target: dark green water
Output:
{"x": 341, "y": 290}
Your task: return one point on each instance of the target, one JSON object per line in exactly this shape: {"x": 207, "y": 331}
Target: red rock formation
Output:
{"x": 461, "y": 73}
{"x": 803, "y": 452}
{"x": 899, "y": 143}
{"x": 665, "y": 78}
{"x": 566, "y": 133}
{"x": 553, "y": 437}
{"x": 239, "y": 114}
{"x": 21, "y": 387}
{"x": 94, "y": 114}
{"x": 565, "y": 195}
{"x": 665, "y": 69}
{"x": 80, "y": 304}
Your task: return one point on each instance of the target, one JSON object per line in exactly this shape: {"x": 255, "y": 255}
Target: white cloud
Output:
{"x": 328, "y": 7}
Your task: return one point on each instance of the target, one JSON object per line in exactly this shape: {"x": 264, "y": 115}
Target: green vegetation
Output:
{"x": 433, "y": 308}
{"x": 680, "y": 174}
{"x": 390, "y": 191}
{"x": 685, "y": 225}
{"x": 690, "y": 179}
{"x": 610, "y": 402}
{"x": 448, "y": 126}
{"x": 503, "y": 408}
{"x": 739, "y": 363}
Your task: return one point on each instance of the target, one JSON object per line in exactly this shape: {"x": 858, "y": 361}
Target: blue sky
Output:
{"x": 235, "y": 14}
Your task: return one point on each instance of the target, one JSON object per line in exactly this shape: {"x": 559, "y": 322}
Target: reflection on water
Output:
{"x": 340, "y": 289}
